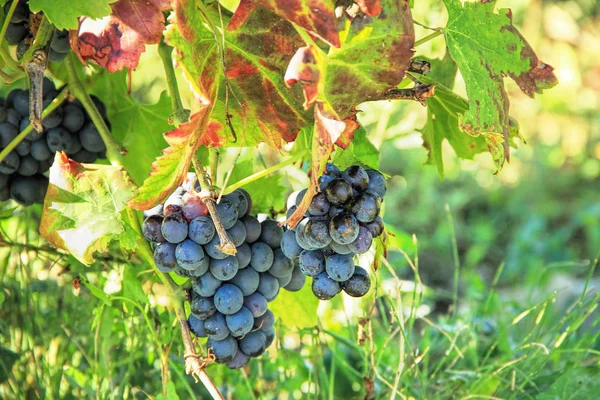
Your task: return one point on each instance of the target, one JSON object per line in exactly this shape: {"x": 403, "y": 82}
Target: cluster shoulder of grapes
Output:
{"x": 230, "y": 294}
{"x": 341, "y": 222}
{"x": 19, "y": 33}
{"x": 68, "y": 128}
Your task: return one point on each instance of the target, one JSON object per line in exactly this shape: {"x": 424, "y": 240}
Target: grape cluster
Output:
{"x": 341, "y": 221}
{"x": 230, "y": 294}
{"x": 19, "y": 33}
{"x": 68, "y": 128}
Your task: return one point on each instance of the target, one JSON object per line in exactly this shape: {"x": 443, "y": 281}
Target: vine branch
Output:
{"x": 179, "y": 114}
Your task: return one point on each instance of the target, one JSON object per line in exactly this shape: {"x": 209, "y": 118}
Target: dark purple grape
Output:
{"x": 344, "y": 228}
{"x": 175, "y": 228}
{"x": 339, "y": 192}
{"x": 366, "y": 207}
{"x": 271, "y": 233}
{"x": 324, "y": 287}
{"x": 357, "y": 177}
{"x": 192, "y": 206}
{"x": 332, "y": 171}
{"x": 164, "y": 256}
{"x": 377, "y": 183}
{"x": 363, "y": 241}
{"x": 359, "y": 283}
{"x": 228, "y": 213}
{"x": 319, "y": 205}
{"x": 324, "y": 181}
{"x": 316, "y": 232}
{"x": 376, "y": 227}
{"x": 297, "y": 282}
{"x": 253, "y": 228}
{"x": 311, "y": 262}
{"x": 28, "y": 166}
{"x": 340, "y": 267}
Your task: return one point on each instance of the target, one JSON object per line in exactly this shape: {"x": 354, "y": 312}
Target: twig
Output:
{"x": 179, "y": 114}
{"x": 35, "y": 68}
{"x": 208, "y": 199}
{"x": 42, "y": 37}
{"x": 420, "y": 93}
{"x": 428, "y": 37}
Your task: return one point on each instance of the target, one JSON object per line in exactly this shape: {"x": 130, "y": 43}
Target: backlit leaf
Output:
{"x": 64, "y": 14}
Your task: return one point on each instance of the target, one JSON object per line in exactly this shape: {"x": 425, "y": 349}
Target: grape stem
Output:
{"x": 194, "y": 364}
{"x": 227, "y": 245}
{"x": 180, "y": 114}
{"x": 51, "y": 107}
{"x": 42, "y": 37}
{"x": 114, "y": 152}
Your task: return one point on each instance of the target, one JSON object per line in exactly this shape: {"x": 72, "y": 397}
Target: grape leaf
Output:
{"x": 137, "y": 127}
{"x": 361, "y": 151}
{"x": 132, "y": 288}
{"x": 64, "y": 14}
{"x": 171, "y": 393}
{"x": 316, "y": 16}
{"x": 245, "y": 81}
{"x": 369, "y": 7}
{"x": 576, "y": 383}
{"x": 296, "y": 309}
{"x": 485, "y": 53}
{"x": 85, "y": 210}
{"x": 443, "y": 111}
{"x": 116, "y": 41}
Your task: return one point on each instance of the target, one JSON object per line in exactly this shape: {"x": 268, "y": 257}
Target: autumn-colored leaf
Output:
{"x": 369, "y": 7}
{"x": 85, "y": 208}
{"x": 117, "y": 40}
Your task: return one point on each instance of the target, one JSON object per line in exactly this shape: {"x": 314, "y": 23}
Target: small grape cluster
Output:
{"x": 19, "y": 33}
{"x": 341, "y": 221}
{"x": 68, "y": 128}
{"x": 230, "y": 294}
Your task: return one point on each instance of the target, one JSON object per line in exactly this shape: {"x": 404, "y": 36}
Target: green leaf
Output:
{"x": 485, "y": 53}
{"x": 575, "y": 384}
{"x": 132, "y": 288}
{"x": 97, "y": 292}
{"x": 7, "y": 213}
{"x": 171, "y": 393}
{"x": 138, "y": 127}
{"x": 84, "y": 209}
{"x": 360, "y": 151}
{"x": 296, "y": 309}
{"x": 7, "y": 360}
{"x": 64, "y": 14}
{"x": 2, "y": 298}
{"x": 266, "y": 193}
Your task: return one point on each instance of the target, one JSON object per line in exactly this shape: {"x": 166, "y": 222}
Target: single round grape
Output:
{"x": 20, "y": 14}
{"x": 340, "y": 267}
{"x": 239, "y": 361}
{"x": 27, "y": 190}
{"x": 28, "y": 166}
{"x": 224, "y": 350}
{"x": 289, "y": 245}
{"x": 359, "y": 283}
{"x": 377, "y": 183}
{"x": 265, "y": 321}
{"x": 228, "y": 213}
{"x": 22, "y": 48}
{"x": 224, "y": 269}
{"x": 271, "y": 233}
{"x": 256, "y": 303}
{"x": 15, "y": 33}
{"x": 73, "y": 118}
{"x": 75, "y": 146}
{"x": 151, "y": 228}
{"x": 55, "y": 56}
{"x": 237, "y": 233}
{"x": 216, "y": 327}
{"x": 164, "y": 256}
{"x": 340, "y": 248}
{"x": 357, "y": 177}
{"x": 60, "y": 41}
{"x": 7, "y": 133}
{"x": 247, "y": 280}
{"x": 193, "y": 206}
{"x": 339, "y": 192}
{"x": 99, "y": 105}
{"x": 319, "y": 205}
{"x": 211, "y": 248}
{"x": 284, "y": 280}
{"x": 324, "y": 287}
{"x": 90, "y": 138}
{"x": 253, "y": 228}
{"x": 300, "y": 238}
{"x": 316, "y": 232}
{"x": 268, "y": 286}
{"x": 14, "y": 118}
{"x": 203, "y": 307}
{"x": 174, "y": 228}
{"x": 239, "y": 200}
{"x": 297, "y": 281}
{"x": 206, "y": 285}
{"x": 324, "y": 181}
{"x": 282, "y": 266}
{"x": 366, "y": 207}
{"x": 84, "y": 156}
{"x": 54, "y": 119}
{"x": 10, "y": 164}
{"x": 376, "y": 227}
{"x": 244, "y": 255}
{"x": 332, "y": 170}
{"x": 196, "y": 326}
{"x": 363, "y": 241}
{"x": 240, "y": 323}
{"x": 262, "y": 257}
{"x": 344, "y": 228}
{"x": 229, "y": 299}
{"x": 254, "y": 343}
{"x": 58, "y": 139}
{"x": 190, "y": 256}
{"x": 270, "y": 334}
{"x": 201, "y": 230}
{"x": 312, "y": 262}
{"x": 21, "y": 101}
{"x": 24, "y": 148}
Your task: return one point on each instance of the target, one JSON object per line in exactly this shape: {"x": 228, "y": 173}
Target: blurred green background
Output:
{"x": 518, "y": 322}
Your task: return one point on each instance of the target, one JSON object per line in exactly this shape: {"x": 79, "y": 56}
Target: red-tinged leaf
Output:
{"x": 169, "y": 170}
{"x": 369, "y": 7}
{"x": 85, "y": 208}
{"x": 163, "y": 5}
{"x": 316, "y": 16}
{"x": 305, "y": 70}
{"x": 117, "y": 41}
{"x": 248, "y": 76}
